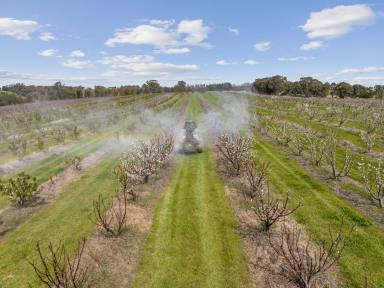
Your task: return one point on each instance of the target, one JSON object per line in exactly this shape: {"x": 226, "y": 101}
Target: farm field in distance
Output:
{"x": 191, "y": 144}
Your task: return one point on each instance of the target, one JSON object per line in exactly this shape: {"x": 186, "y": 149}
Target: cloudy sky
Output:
{"x": 118, "y": 42}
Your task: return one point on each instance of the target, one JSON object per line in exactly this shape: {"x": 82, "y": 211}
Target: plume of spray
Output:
{"x": 232, "y": 116}
{"x": 146, "y": 122}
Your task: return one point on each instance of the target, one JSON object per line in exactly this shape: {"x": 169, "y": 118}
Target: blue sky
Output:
{"x": 127, "y": 42}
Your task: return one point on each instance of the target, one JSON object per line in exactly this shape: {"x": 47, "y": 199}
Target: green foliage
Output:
{"x": 152, "y": 86}
{"x": 274, "y": 85}
{"x": 310, "y": 87}
{"x": 226, "y": 86}
{"x": 19, "y": 189}
{"x": 181, "y": 86}
{"x": 10, "y": 98}
{"x": 343, "y": 90}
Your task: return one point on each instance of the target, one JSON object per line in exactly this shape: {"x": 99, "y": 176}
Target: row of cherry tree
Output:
{"x": 301, "y": 262}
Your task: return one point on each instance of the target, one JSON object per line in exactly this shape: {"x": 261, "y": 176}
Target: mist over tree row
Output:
{"x": 276, "y": 85}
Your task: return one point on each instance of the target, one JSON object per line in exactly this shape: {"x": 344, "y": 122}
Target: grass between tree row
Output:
{"x": 339, "y": 132}
{"x": 193, "y": 241}
{"x": 56, "y": 163}
{"x": 322, "y": 208}
{"x": 52, "y": 165}
{"x": 66, "y": 219}
{"x": 355, "y": 173}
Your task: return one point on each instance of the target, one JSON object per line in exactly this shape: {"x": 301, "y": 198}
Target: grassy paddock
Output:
{"x": 193, "y": 241}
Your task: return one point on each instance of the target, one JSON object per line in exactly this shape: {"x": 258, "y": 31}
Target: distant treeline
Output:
{"x": 311, "y": 87}
{"x": 218, "y": 87}
{"x": 20, "y": 93}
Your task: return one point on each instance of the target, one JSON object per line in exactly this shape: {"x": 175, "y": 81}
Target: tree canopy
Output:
{"x": 311, "y": 87}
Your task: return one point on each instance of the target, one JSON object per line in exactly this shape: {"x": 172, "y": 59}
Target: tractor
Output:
{"x": 190, "y": 143}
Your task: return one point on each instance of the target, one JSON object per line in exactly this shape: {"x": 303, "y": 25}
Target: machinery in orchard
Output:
{"x": 190, "y": 143}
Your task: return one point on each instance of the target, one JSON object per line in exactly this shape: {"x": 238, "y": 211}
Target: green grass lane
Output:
{"x": 194, "y": 108}
{"x": 320, "y": 208}
{"x": 66, "y": 219}
{"x": 54, "y": 164}
{"x": 193, "y": 241}
{"x": 212, "y": 99}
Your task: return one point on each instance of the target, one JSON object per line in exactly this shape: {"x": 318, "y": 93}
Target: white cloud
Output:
{"x": 122, "y": 61}
{"x": 293, "y": 59}
{"x": 46, "y": 78}
{"x": 263, "y": 46}
{"x": 151, "y": 69}
{"x": 163, "y": 34}
{"x": 103, "y": 53}
{"x": 195, "y": 30}
{"x": 160, "y": 22}
{"x": 337, "y": 21}
{"x": 251, "y": 62}
{"x": 223, "y": 62}
{"x": 77, "y": 54}
{"x": 143, "y": 34}
{"x": 360, "y": 70}
{"x": 173, "y": 51}
{"x": 47, "y": 36}
{"x": 142, "y": 65}
{"x": 19, "y": 29}
{"x": 313, "y": 45}
{"x": 234, "y": 31}
{"x": 77, "y": 64}
{"x": 370, "y": 79}
{"x": 48, "y": 53}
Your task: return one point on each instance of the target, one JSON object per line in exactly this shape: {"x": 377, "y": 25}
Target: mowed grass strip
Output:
{"x": 322, "y": 208}
{"x": 56, "y": 163}
{"x": 193, "y": 241}
{"x": 66, "y": 219}
{"x": 194, "y": 108}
